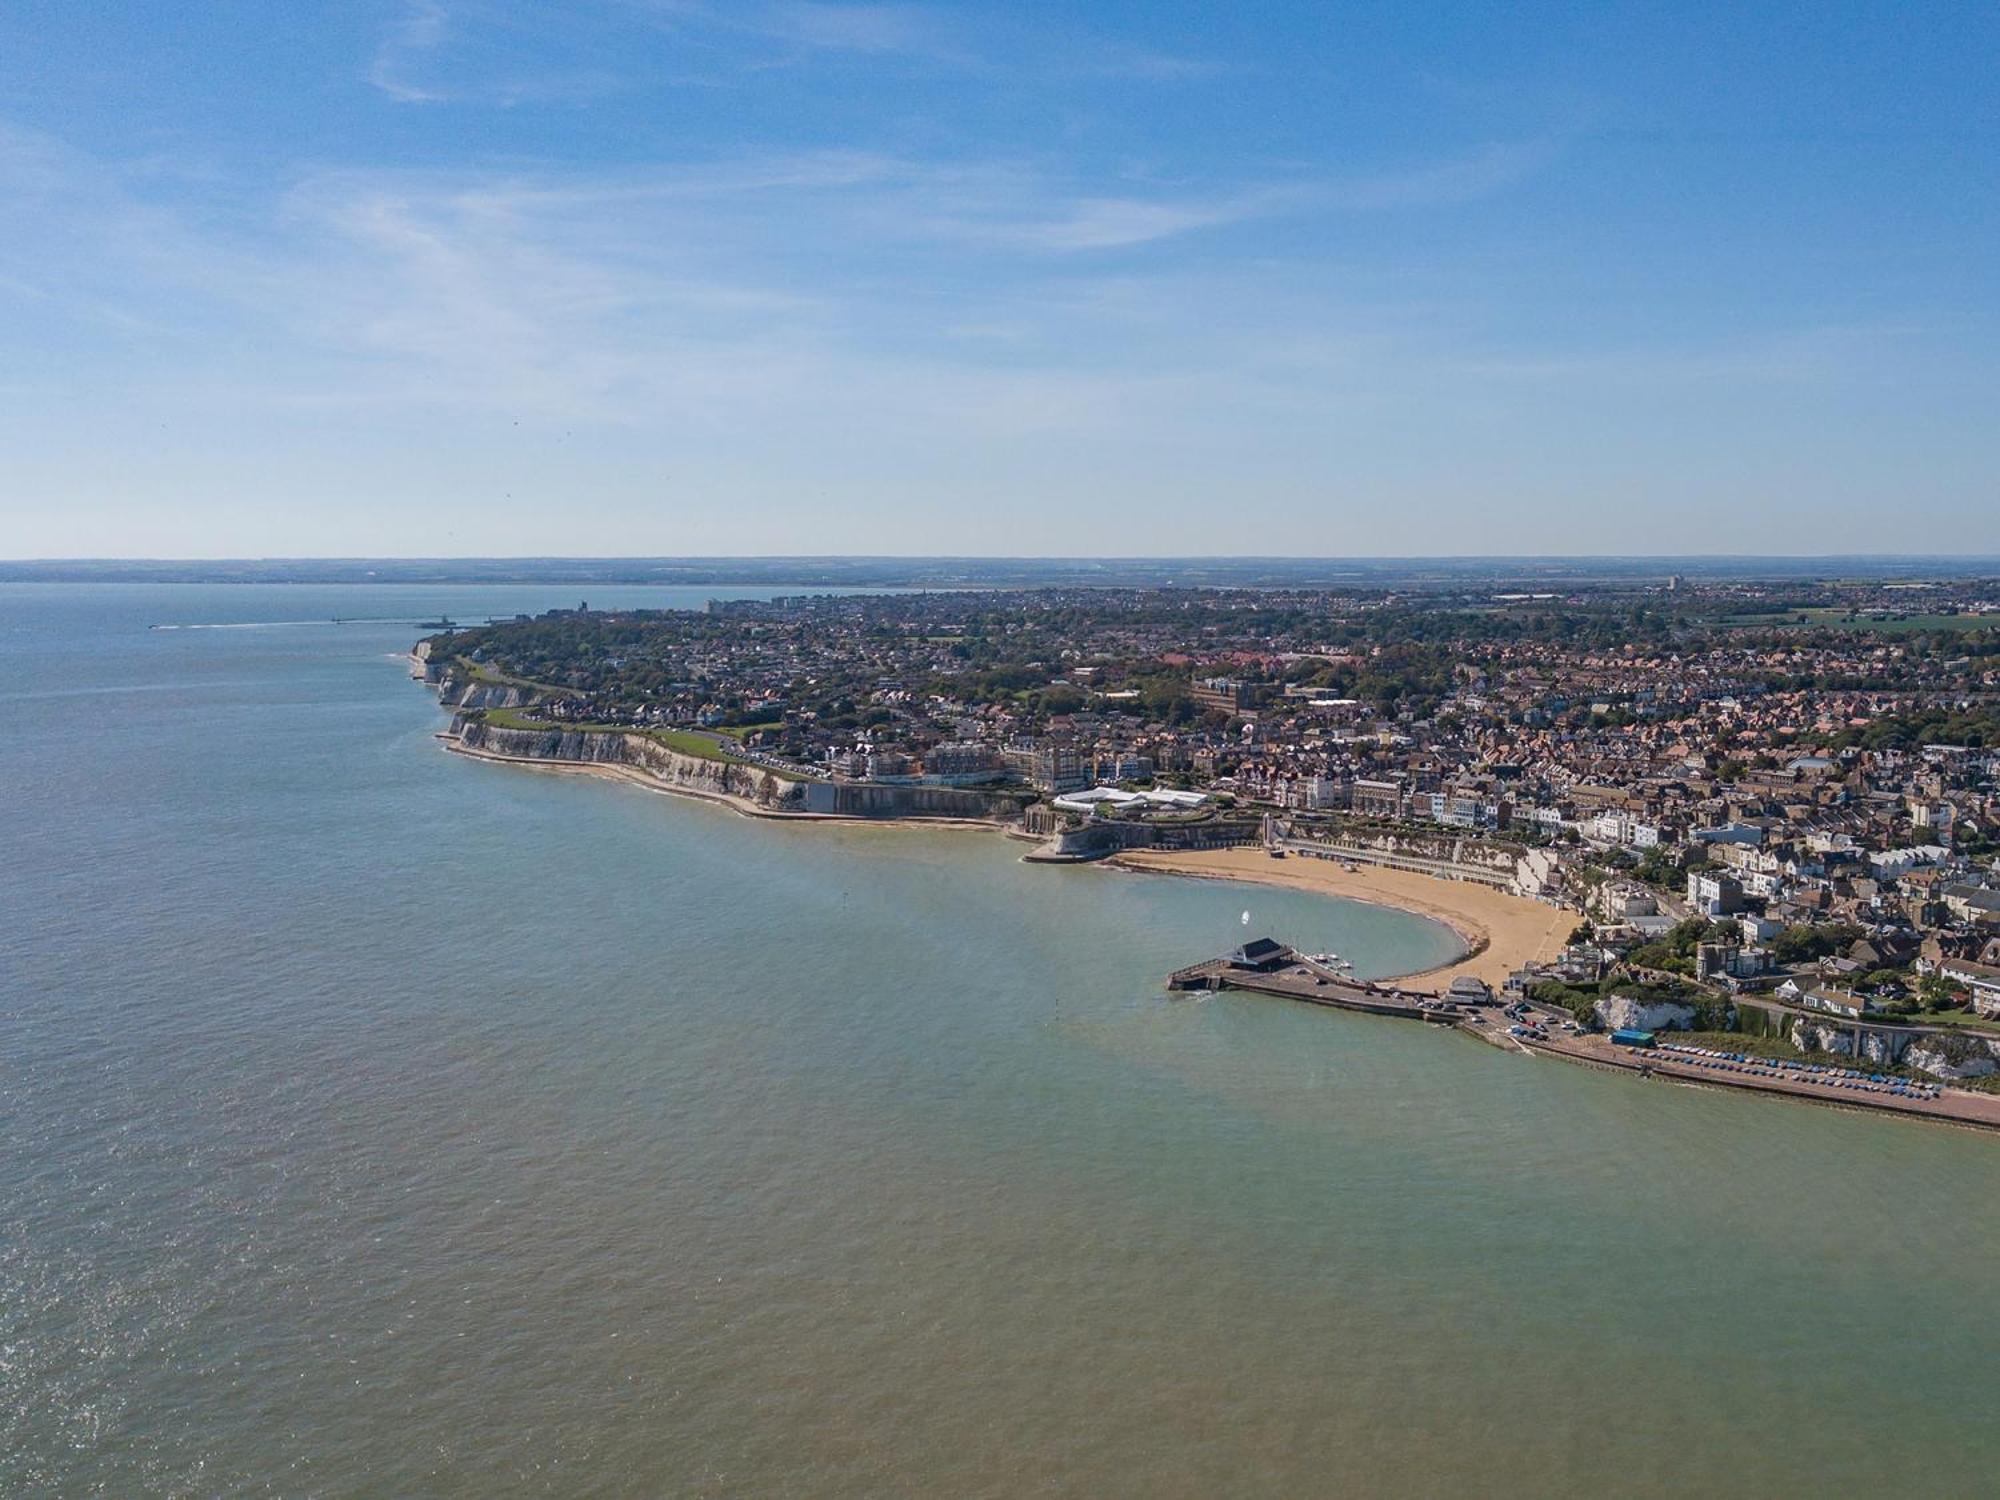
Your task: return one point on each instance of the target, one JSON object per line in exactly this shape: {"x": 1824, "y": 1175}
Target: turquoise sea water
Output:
{"x": 378, "y": 1122}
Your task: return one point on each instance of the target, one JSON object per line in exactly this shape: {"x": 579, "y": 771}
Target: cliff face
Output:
{"x": 456, "y": 690}
{"x": 1942, "y": 1055}
{"x": 1877, "y": 1046}
{"x": 1618, "y": 1012}
{"x": 423, "y": 667}
{"x": 709, "y": 776}
{"x": 540, "y": 744}
{"x": 670, "y": 767}
{"x": 1955, "y": 1056}
{"x": 488, "y": 695}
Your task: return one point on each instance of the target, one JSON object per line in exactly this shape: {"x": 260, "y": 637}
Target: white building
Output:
{"x": 1713, "y": 895}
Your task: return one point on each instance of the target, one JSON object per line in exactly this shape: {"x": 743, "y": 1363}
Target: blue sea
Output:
{"x": 379, "y": 1122}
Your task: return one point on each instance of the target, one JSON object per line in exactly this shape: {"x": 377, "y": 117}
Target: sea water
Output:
{"x": 381, "y": 1122}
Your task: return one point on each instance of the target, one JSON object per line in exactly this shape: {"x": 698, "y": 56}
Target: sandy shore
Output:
{"x": 1501, "y": 932}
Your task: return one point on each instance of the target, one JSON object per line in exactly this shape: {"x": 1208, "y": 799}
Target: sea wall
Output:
{"x": 1516, "y": 868}
{"x": 864, "y": 799}
{"x": 1095, "y": 837}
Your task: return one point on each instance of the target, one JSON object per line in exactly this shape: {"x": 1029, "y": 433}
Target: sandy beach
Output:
{"x": 1501, "y": 931}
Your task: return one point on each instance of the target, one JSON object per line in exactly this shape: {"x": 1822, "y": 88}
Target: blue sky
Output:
{"x": 777, "y": 276}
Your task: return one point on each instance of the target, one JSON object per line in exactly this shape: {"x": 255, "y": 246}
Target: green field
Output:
{"x": 521, "y": 718}
{"x": 692, "y": 742}
{"x": 1965, "y": 1020}
{"x": 1836, "y": 619}
{"x": 493, "y": 676}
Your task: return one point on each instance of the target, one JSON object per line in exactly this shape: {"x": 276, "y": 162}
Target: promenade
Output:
{"x": 1762, "y": 1076}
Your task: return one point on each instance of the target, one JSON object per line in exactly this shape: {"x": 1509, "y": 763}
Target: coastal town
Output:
{"x": 1762, "y": 817}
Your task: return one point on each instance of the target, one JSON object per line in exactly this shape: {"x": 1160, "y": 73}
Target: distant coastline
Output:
{"x": 785, "y": 574}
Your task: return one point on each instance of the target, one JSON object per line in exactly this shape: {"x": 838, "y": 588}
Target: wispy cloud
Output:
{"x": 506, "y": 52}
{"x": 864, "y": 322}
{"x": 1112, "y": 223}
{"x": 847, "y": 28}
{"x": 1141, "y": 62}
{"x": 1784, "y": 357}
{"x": 419, "y": 31}
{"x": 701, "y": 290}
{"x": 1487, "y": 169}
{"x": 809, "y": 292}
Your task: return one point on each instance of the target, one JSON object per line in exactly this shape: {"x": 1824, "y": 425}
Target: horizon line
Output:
{"x": 1289, "y": 558}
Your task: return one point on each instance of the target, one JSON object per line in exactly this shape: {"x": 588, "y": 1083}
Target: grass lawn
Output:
{"x": 691, "y": 742}
{"x": 493, "y": 676}
{"x": 1964, "y": 1019}
{"x": 738, "y": 731}
{"x": 520, "y": 718}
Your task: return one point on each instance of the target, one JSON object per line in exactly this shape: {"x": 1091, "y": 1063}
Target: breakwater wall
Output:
{"x": 1097, "y": 837}
{"x": 1515, "y": 868}
{"x": 866, "y": 799}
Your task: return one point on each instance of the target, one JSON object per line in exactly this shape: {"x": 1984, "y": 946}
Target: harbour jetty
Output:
{"x": 1265, "y": 966}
